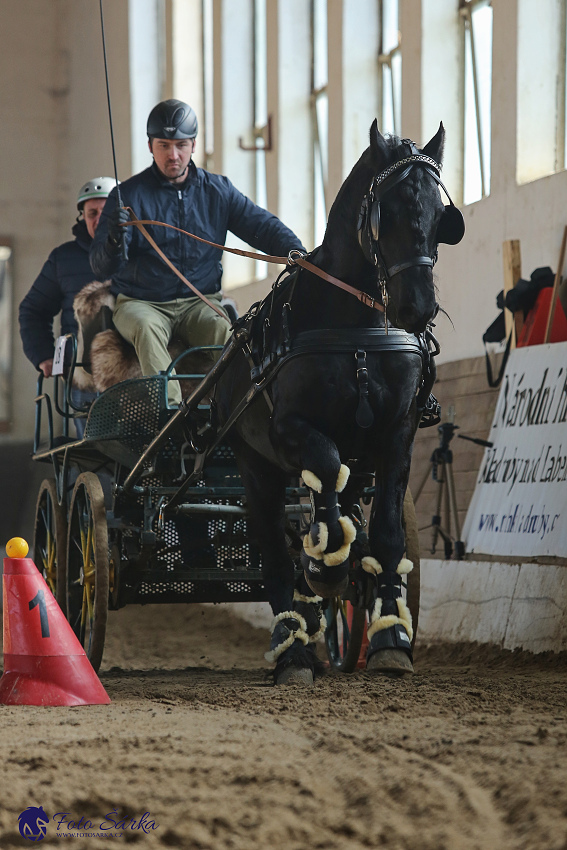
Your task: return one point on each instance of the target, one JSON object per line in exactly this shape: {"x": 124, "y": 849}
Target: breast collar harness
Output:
{"x": 451, "y": 227}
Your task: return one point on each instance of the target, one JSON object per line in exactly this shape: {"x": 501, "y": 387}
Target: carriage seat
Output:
{"x": 106, "y": 357}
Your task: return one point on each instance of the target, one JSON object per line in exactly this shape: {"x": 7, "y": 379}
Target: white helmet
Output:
{"x": 98, "y": 187}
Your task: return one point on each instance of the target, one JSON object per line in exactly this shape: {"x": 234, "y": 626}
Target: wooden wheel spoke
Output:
{"x": 49, "y": 539}
{"x": 87, "y": 567}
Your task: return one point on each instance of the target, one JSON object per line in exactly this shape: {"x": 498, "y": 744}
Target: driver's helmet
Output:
{"x": 172, "y": 119}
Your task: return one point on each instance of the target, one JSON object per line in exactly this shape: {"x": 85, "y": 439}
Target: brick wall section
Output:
{"x": 463, "y": 384}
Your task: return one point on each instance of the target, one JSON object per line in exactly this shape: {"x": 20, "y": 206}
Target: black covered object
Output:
{"x": 522, "y": 297}
{"x": 497, "y": 330}
{"x": 524, "y": 294}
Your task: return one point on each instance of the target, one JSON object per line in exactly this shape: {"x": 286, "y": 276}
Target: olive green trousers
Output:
{"x": 150, "y": 325}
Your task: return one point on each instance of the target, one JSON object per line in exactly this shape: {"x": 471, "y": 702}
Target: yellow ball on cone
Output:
{"x": 17, "y": 548}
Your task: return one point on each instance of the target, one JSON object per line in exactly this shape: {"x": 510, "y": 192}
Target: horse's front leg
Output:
{"x": 297, "y": 613}
{"x": 326, "y": 548}
{"x": 390, "y": 630}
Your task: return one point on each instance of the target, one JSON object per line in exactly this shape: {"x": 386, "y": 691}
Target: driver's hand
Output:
{"x": 46, "y": 366}
{"x": 118, "y": 217}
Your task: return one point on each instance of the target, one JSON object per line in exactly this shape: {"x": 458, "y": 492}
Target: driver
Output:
{"x": 152, "y": 304}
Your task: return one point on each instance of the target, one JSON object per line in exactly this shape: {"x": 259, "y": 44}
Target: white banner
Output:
{"x": 519, "y": 506}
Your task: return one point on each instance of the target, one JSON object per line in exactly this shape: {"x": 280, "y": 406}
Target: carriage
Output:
{"x": 101, "y": 546}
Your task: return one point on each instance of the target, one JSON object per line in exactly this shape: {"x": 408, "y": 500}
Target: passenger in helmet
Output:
{"x": 152, "y": 303}
{"x": 65, "y": 272}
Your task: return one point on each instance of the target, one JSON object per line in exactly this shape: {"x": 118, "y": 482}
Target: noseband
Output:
{"x": 451, "y": 228}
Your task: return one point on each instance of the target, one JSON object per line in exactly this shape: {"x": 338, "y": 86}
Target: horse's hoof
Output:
{"x": 323, "y": 580}
{"x": 302, "y": 676}
{"x": 327, "y": 591}
{"x": 390, "y": 662}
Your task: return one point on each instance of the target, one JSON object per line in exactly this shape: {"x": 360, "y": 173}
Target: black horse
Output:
{"x": 344, "y": 398}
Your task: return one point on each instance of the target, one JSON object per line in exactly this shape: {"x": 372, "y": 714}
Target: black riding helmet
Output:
{"x": 172, "y": 119}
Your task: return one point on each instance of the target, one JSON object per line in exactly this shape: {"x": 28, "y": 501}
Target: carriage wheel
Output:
{"x": 346, "y": 627}
{"x": 87, "y": 566}
{"x": 49, "y": 539}
{"x": 409, "y": 521}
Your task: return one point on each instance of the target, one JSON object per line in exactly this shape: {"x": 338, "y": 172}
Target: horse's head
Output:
{"x": 401, "y": 222}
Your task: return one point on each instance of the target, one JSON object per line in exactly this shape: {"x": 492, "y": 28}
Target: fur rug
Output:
{"x": 108, "y": 357}
{"x": 87, "y": 306}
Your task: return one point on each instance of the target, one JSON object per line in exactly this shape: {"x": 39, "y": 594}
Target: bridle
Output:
{"x": 450, "y": 230}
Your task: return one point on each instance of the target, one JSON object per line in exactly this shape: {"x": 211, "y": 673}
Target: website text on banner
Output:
{"x": 519, "y": 505}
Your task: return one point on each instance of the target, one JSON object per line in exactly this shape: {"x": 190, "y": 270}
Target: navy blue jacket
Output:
{"x": 65, "y": 272}
{"x": 207, "y": 205}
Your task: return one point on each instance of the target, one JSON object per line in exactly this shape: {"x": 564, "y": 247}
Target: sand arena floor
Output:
{"x": 469, "y": 753}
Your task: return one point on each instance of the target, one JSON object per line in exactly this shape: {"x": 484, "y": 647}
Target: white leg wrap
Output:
{"x": 318, "y": 636}
{"x": 404, "y": 567}
{"x": 299, "y": 634}
{"x": 333, "y": 559}
{"x": 315, "y": 549}
{"x": 377, "y": 623}
{"x": 312, "y": 481}
{"x": 342, "y": 478}
{"x": 371, "y": 565}
{"x": 312, "y": 600}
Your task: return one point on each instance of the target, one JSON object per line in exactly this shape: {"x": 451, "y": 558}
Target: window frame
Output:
{"x": 466, "y": 11}
{"x": 319, "y": 97}
{"x": 387, "y": 61}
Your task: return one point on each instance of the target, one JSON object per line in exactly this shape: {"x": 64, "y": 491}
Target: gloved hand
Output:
{"x": 115, "y": 231}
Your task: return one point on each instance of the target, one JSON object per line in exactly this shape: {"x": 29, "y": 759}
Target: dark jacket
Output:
{"x": 65, "y": 272}
{"x": 207, "y": 205}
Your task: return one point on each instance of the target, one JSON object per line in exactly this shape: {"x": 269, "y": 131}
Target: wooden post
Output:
{"x": 556, "y": 285}
{"x": 512, "y": 273}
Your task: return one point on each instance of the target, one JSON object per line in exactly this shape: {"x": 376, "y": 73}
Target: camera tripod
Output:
{"x": 441, "y": 469}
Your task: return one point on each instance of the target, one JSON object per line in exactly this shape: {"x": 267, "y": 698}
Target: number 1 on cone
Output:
{"x": 39, "y": 599}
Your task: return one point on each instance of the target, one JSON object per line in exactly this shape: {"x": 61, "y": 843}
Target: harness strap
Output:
{"x": 348, "y": 340}
{"x": 417, "y": 261}
{"x": 362, "y": 296}
{"x": 364, "y": 416}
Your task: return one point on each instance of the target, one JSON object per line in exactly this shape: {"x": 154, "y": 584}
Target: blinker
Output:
{"x": 451, "y": 228}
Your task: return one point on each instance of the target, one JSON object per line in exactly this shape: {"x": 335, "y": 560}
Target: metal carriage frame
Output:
{"x": 104, "y": 539}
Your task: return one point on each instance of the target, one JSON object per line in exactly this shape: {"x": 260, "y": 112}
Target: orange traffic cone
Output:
{"x": 44, "y": 663}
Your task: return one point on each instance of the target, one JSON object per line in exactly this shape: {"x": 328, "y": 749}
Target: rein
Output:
{"x": 295, "y": 257}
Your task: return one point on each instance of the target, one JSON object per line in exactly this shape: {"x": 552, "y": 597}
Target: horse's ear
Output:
{"x": 378, "y": 144}
{"x": 434, "y": 148}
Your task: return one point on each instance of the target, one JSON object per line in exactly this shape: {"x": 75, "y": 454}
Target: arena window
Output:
{"x": 541, "y": 90}
{"x": 390, "y": 65}
{"x": 319, "y": 114}
{"x": 476, "y": 16}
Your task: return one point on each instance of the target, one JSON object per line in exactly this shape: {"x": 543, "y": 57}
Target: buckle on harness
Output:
{"x": 367, "y": 299}
{"x": 294, "y": 255}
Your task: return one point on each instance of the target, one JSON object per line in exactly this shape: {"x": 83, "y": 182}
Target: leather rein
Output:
{"x": 295, "y": 257}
